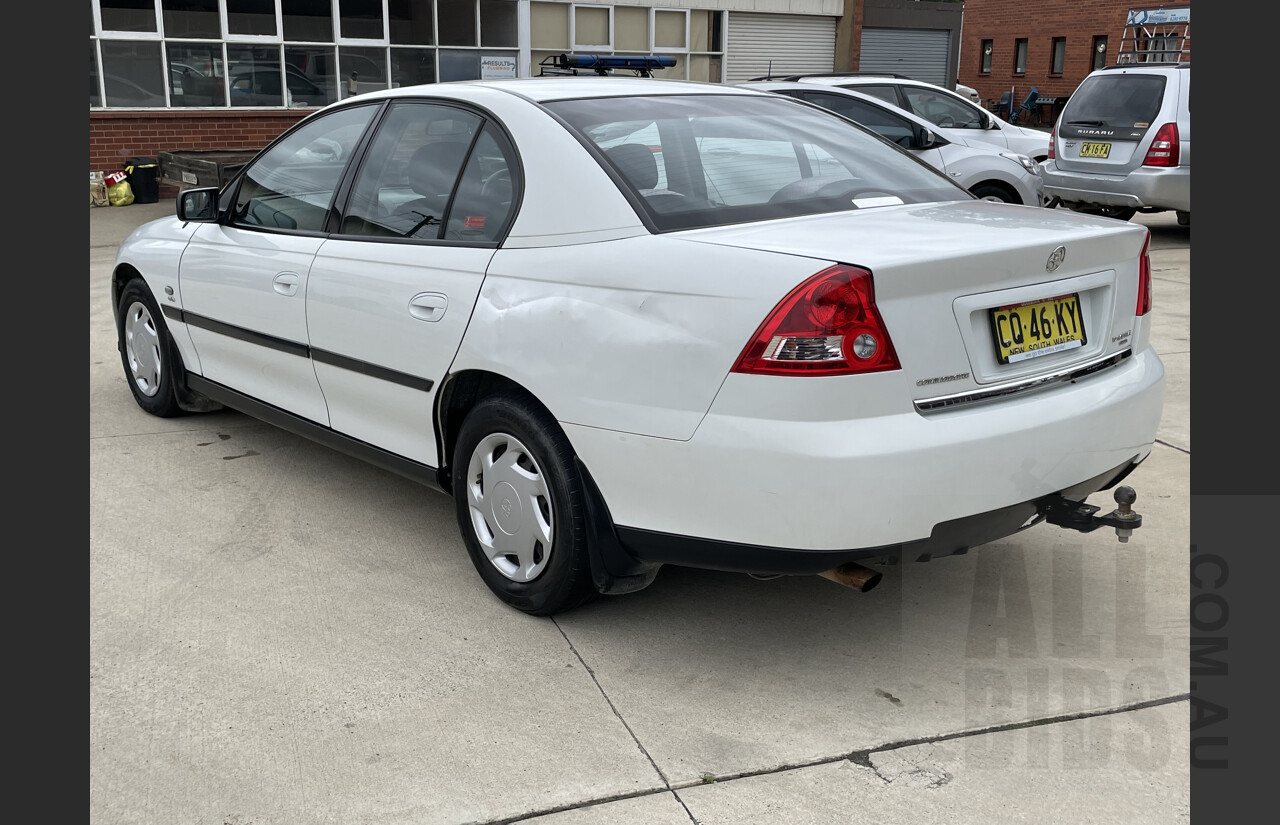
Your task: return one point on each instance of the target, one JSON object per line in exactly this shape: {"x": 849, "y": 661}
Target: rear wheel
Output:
{"x": 1184, "y": 218}
{"x": 147, "y": 351}
{"x": 519, "y": 505}
{"x": 994, "y": 192}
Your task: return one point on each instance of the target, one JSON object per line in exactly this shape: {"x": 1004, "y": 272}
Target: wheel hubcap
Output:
{"x": 510, "y": 507}
{"x": 142, "y": 348}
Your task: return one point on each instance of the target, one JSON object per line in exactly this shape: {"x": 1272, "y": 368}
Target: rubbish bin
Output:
{"x": 143, "y": 180}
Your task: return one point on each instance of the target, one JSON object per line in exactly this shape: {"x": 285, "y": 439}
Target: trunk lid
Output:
{"x": 940, "y": 269}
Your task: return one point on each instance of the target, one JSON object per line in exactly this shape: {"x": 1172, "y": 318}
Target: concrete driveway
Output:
{"x": 281, "y": 634}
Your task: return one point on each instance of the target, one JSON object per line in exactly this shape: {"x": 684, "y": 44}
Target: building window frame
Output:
{"x": 1020, "y": 49}
{"x": 654, "y": 48}
{"x": 984, "y": 56}
{"x": 574, "y": 45}
{"x": 1057, "y": 55}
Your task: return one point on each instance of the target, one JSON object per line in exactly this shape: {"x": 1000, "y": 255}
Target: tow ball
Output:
{"x": 1076, "y": 515}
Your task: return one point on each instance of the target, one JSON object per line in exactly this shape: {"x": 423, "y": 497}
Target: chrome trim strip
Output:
{"x": 982, "y": 395}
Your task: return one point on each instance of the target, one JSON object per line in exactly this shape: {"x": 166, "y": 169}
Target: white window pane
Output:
{"x": 591, "y": 27}
{"x": 129, "y": 16}
{"x": 191, "y": 18}
{"x": 668, "y": 29}
{"x": 549, "y": 26}
{"x": 631, "y": 29}
{"x": 361, "y": 19}
{"x": 307, "y": 21}
{"x": 411, "y": 22}
{"x": 133, "y": 73}
{"x": 498, "y": 23}
{"x": 256, "y": 17}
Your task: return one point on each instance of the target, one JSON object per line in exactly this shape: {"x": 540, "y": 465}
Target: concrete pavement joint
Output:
{"x": 632, "y": 733}
{"x": 1173, "y": 446}
{"x": 863, "y": 757}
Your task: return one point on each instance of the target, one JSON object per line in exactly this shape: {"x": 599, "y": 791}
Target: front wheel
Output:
{"x": 519, "y": 505}
{"x": 146, "y": 351}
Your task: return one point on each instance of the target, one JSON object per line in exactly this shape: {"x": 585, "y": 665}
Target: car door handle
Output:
{"x": 428, "y": 306}
{"x": 286, "y": 283}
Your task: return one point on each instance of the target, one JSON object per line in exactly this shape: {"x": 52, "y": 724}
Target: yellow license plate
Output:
{"x": 1095, "y": 150}
{"x": 1036, "y": 328}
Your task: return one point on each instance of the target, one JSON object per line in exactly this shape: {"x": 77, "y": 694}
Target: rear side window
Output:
{"x": 878, "y": 120}
{"x": 1116, "y": 100}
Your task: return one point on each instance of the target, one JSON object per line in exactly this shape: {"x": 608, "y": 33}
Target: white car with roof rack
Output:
{"x": 942, "y": 107}
{"x": 626, "y": 323}
{"x": 986, "y": 171}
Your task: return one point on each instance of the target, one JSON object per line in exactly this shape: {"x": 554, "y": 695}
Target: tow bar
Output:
{"x": 1076, "y": 515}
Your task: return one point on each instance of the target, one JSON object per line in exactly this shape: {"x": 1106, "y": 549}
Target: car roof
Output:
{"x": 545, "y": 89}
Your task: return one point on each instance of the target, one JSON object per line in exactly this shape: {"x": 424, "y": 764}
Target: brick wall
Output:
{"x": 1003, "y": 21}
{"x": 116, "y": 136}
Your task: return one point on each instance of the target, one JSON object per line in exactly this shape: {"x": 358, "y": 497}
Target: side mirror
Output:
{"x": 989, "y": 122}
{"x": 199, "y": 205}
{"x": 926, "y": 139}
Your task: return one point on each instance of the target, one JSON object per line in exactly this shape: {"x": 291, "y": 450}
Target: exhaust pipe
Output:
{"x": 854, "y": 575}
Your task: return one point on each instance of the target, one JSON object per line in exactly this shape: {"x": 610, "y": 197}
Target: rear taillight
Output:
{"x": 1164, "y": 149}
{"x": 1053, "y": 138}
{"x": 1144, "y": 278}
{"x": 828, "y": 325}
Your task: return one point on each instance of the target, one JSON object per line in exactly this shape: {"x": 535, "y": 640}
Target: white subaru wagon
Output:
{"x": 760, "y": 339}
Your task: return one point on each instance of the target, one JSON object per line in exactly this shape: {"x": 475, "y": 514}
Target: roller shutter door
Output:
{"x": 920, "y": 54}
{"x": 790, "y": 43}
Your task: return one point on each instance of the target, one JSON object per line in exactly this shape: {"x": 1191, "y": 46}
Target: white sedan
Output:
{"x": 988, "y": 172}
{"x": 627, "y": 323}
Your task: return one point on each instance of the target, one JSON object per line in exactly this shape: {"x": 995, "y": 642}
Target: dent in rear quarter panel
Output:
{"x": 634, "y": 335}
{"x": 155, "y": 250}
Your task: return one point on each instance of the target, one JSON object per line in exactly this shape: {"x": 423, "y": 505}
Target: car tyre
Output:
{"x": 994, "y": 192}
{"x": 1184, "y": 218}
{"x": 147, "y": 351}
{"x": 520, "y": 506}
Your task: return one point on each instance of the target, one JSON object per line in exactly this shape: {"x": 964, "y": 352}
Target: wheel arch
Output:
{"x": 613, "y": 569}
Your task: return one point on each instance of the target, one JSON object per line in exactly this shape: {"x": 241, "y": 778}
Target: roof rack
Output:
{"x": 640, "y": 65}
{"x": 794, "y": 77}
{"x": 1156, "y": 34}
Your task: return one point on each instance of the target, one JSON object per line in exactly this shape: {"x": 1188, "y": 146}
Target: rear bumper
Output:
{"x": 1143, "y": 188}
{"x": 949, "y": 538}
{"x": 759, "y": 489}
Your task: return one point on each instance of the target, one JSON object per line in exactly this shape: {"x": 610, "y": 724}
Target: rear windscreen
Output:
{"x": 1122, "y": 101}
{"x": 706, "y": 160}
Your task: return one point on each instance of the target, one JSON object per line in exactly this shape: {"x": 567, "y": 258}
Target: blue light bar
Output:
{"x": 613, "y": 61}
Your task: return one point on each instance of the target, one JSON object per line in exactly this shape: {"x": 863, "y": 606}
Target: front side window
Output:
{"x": 708, "y": 160}
{"x": 1020, "y": 56}
{"x": 942, "y": 109}
{"x": 291, "y": 186}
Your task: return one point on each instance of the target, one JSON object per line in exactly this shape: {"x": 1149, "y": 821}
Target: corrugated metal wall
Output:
{"x": 761, "y": 44}
{"x": 920, "y": 54}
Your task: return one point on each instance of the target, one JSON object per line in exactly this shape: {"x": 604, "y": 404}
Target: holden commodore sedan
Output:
{"x": 626, "y": 323}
